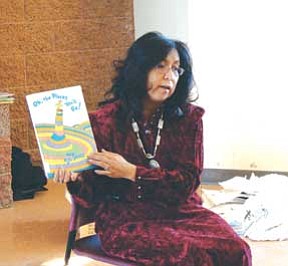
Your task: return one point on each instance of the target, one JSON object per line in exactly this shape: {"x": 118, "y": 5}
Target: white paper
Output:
{"x": 263, "y": 215}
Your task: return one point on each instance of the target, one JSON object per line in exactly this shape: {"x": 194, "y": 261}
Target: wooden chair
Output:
{"x": 82, "y": 238}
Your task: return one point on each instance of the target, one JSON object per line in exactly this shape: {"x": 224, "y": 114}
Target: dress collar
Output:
{"x": 178, "y": 112}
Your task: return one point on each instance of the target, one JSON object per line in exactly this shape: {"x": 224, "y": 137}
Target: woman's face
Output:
{"x": 163, "y": 78}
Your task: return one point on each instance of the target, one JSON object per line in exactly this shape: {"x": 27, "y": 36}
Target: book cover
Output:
{"x": 62, "y": 129}
{"x": 6, "y": 97}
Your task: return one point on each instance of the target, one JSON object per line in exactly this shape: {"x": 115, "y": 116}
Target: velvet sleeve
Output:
{"x": 92, "y": 188}
{"x": 174, "y": 183}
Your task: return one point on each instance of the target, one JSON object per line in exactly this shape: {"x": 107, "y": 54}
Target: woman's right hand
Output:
{"x": 64, "y": 176}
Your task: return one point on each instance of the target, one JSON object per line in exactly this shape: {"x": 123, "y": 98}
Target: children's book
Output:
{"x": 6, "y": 97}
{"x": 62, "y": 129}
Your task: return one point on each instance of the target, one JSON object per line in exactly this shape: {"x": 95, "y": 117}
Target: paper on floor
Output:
{"x": 263, "y": 215}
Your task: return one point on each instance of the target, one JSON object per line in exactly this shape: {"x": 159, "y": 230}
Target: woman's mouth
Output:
{"x": 165, "y": 87}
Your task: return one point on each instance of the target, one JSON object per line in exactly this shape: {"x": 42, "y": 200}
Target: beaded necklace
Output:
{"x": 152, "y": 162}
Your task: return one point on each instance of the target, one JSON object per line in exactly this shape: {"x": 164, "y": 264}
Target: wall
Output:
{"x": 165, "y": 16}
{"x": 239, "y": 51}
{"x": 241, "y": 59}
{"x": 47, "y": 44}
{"x": 6, "y": 195}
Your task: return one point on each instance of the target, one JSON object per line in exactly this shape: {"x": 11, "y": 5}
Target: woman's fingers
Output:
{"x": 98, "y": 157}
{"x": 64, "y": 176}
{"x": 58, "y": 176}
{"x": 103, "y": 165}
{"x": 75, "y": 176}
{"x": 103, "y": 172}
{"x": 105, "y": 156}
{"x": 113, "y": 165}
{"x": 67, "y": 176}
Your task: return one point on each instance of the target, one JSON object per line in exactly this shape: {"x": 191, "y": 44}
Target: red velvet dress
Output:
{"x": 158, "y": 220}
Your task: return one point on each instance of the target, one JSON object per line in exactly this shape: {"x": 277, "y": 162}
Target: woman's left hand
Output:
{"x": 114, "y": 165}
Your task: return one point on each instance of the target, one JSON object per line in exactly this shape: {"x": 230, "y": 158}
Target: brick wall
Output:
{"x": 48, "y": 44}
{"x": 6, "y": 194}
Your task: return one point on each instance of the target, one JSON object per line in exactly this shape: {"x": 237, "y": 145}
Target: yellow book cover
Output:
{"x": 62, "y": 128}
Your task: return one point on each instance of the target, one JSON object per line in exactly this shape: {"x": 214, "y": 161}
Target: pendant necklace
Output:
{"x": 152, "y": 162}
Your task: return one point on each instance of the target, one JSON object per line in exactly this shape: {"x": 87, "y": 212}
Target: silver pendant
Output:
{"x": 149, "y": 156}
{"x": 153, "y": 164}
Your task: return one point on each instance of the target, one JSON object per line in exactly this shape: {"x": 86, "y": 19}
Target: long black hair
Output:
{"x": 130, "y": 83}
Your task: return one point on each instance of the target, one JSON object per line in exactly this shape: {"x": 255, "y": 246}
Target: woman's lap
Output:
{"x": 199, "y": 238}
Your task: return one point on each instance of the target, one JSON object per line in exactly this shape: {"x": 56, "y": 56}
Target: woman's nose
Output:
{"x": 168, "y": 73}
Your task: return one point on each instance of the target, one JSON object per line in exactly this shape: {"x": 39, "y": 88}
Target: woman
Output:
{"x": 150, "y": 141}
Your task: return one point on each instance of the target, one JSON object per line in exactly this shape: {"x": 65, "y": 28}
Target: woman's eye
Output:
{"x": 160, "y": 65}
{"x": 175, "y": 69}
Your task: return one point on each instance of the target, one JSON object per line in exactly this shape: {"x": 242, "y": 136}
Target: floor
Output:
{"x": 33, "y": 233}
